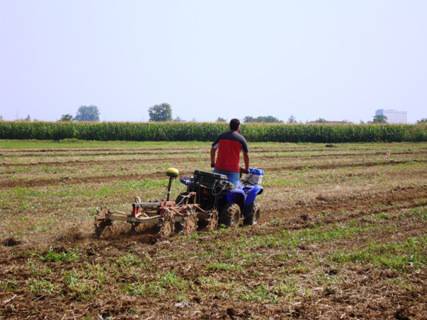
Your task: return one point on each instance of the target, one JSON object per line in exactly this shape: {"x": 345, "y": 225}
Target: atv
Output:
{"x": 213, "y": 191}
{"x": 210, "y": 200}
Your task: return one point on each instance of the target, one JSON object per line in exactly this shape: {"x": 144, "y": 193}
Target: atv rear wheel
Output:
{"x": 230, "y": 215}
{"x": 252, "y": 215}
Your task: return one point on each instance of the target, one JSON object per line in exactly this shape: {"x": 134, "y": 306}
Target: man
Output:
{"x": 225, "y": 153}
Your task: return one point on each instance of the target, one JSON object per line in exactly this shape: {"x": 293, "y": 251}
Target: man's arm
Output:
{"x": 246, "y": 159}
{"x": 245, "y": 150}
{"x": 213, "y": 153}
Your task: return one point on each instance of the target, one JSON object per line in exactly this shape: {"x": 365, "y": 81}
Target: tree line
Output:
{"x": 163, "y": 112}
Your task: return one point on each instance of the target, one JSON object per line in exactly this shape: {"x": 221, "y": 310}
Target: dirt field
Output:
{"x": 343, "y": 235}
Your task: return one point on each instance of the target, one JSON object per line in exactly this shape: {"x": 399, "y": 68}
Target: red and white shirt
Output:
{"x": 228, "y": 145}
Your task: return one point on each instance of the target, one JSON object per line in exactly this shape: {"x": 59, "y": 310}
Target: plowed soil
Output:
{"x": 343, "y": 235}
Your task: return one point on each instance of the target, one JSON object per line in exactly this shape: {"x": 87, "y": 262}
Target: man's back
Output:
{"x": 229, "y": 145}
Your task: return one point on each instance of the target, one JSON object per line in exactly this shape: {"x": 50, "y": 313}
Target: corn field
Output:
{"x": 172, "y": 131}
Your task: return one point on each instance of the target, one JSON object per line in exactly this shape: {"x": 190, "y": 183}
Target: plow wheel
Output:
{"x": 167, "y": 226}
{"x": 133, "y": 228}
{"x": 212, "y": 221}
{"x": 190, "y": 223}
{"x": 101, "y": 222}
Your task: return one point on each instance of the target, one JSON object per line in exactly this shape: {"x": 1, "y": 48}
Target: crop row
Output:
{"x": 173, "y": 131}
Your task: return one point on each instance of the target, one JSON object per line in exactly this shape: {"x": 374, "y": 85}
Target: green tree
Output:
{"x": 66, "y": 117}
{"x": 419, "y": 121}
{"x": 87, "y": 113}
{"x": 249, "y": 119}
{"x": 379, "y": 118}
{"x": 320, "y": 120}
{"x": 269, "y": 119}
{"x": 292, "y": 119}
{"x": 160, "y": 112}
{"x": 221, "y": 120}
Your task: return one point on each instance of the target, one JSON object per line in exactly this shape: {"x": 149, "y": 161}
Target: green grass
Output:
{"x": 420, "y": 213}
{"x": 129, "y": 260}
{"x": 212, "y": 283}
{"x": 259, "y": 294}
{"x": 78, "y": 287}
{"x": 41, "y": 287}
{"x": 292, "y": 239}
{"x": 167, "y": 283}
{"x": 151, "y": 289}
{"x": 97, "y": 272}
{"x": 287, "y": 288}
{"x": 66, "y": 256}
{"x": 221, "y": 266}
{"x": 37, "y": 269}
{"x": 89, "y": 144}
{"x": 172, "y": 280}
{"x": 243, "y": 252}
{"x": 9, "y": 285}
{"x": 401, "y": 256}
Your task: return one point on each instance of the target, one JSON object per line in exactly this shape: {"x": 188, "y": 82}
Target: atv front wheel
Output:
{"x": 252, "y": 215}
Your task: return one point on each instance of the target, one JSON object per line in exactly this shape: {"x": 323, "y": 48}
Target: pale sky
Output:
{"x": 335, "y": 59}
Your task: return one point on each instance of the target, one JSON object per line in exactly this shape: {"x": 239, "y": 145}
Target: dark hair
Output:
{"x": 234, "y": 124}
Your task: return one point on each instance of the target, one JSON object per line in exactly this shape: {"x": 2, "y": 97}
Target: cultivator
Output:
{"x": 169, "y": 216}
{"x": 210, "y": 199}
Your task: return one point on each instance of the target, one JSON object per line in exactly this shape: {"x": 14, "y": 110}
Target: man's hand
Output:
{"x": 243, "y": 170}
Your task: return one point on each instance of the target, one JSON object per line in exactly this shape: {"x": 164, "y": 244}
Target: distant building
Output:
{"x": 393, "y": 116}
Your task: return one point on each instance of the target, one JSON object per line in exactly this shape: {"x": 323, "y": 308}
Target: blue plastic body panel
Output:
{"x": 251, "y": 193}
{"x": 257, "y": 171}
{"x": 235, "y": 196}
{"x": 244, "y": 195}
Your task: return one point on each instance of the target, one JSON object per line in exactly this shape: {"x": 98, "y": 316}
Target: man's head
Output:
{"x": 234, "y": 124}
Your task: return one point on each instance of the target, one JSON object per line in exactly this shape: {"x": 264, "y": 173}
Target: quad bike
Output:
{"x": 213, "y": 191}
{"x": 210, "y": 200}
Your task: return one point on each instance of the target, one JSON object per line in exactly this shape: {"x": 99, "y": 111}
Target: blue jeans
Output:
{"x": 233, "y": 177}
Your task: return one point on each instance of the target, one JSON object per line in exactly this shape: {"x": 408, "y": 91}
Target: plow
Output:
{"x": 209, "y": 201}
